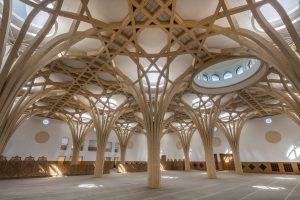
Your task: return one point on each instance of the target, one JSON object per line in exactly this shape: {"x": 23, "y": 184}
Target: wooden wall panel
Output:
{"x": 23, "y": 169}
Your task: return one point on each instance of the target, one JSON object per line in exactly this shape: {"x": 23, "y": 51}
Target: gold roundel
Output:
{"x": 178, "y": 145}
{"x": 217, "y": 142}
{"x": 273, "y": 136}
{"x": 130, "y": 145}
{"x": 42, "y": 137}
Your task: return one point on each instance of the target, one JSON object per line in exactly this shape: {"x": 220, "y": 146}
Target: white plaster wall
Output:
{"x": 22, "y": 142}
{"x": 253, "y": 146}
{"x": 197, "y": 151}
{"x": 196, "y": 148}
{"x": 139, "y": 149}
{"x": 91, "y": 155}
{"x": 168, "y": 147}
{"x": 224, "y": 148}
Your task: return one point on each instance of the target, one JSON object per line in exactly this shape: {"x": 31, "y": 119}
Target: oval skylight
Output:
{"x": 227, "y": 73}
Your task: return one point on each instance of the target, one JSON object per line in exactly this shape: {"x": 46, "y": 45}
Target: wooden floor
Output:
{"x": 175, "y": 185}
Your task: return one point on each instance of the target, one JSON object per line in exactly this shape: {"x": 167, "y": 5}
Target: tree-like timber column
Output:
{"x": 210, "y": 161}
{"x": 104, "y": 111}
{"x": 22, "y": 55}
{"x": 285, "y": 58}
{"x": 19, "y": 112}
{"x": 278, "y": 86}
{"x": 153, "y": 164}
{"x": 99, "y": 163}
{"x": 15, "y": 60}
{"x": 104, "y": 122}
{"x": 79, "y": 125}
{"x": 79, "y": 131}
{"x": 124, "y": 130}
{"x": 187, "y": 165}
{"x": 122, "y": 154}
{"x": 232, "y": 126}
{"x": 185, "y": 130}
{"x": 204, "y": 112}
{"x": 153, "y": 95}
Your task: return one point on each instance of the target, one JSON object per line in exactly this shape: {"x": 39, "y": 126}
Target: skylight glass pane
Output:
{"x": 19, "y": 9}
{"x": 249, "y": 64}
{"x": 227, "y": 75}
{"x": 215, "y": 77}
{"x": 239, "y": 70}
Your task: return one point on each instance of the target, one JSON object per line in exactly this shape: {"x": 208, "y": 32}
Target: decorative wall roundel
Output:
{"x": 41, "y": 137}
{"x": 178, "y": 145}
{"x": 273, "y": 136}
{"x": 217, "y": 142}
{"x": 130, "y": 145}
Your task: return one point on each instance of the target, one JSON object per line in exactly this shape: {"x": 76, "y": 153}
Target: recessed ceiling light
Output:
{"x": 268, "y": 120}
{"x": 46, "y": 121}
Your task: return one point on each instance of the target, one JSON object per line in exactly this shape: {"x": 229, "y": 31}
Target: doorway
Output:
{"x": 216, "y": 161}
{"x": 227, "y": 161}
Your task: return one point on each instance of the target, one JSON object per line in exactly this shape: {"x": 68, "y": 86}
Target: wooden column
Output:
{"x": 282, "y": 89}
{"x": 153, "y": 164}
{"x": 79, "y": 127}
{"x": 13, "y": 71}
{"x": 232, "y": 129}
{"x": 122, "y": 153}
{"x": 204, "y": 112}
{"x": 237, "y": 161}
{"x": 99, "y": 163}
{"x": 124, "y": 130}
{"x": 210, "y": 160}
{"x": 153, "y": 100}
{"x": 75, "y": 154}
{"x": 289, "y": 56}
{"x": 19, "y": 112}
{"x": 104, "y": 114}
{"x": 185, "y": 129}
{"x": 187, "y": 165}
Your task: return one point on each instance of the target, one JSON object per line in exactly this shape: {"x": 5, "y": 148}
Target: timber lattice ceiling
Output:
{"x": 111, "y": 47}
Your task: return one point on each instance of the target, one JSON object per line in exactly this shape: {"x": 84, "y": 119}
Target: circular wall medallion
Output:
{"x": 273, "y": 136}
{"x": 42, "y": 137}
{"x": 130, "y": 145}
{"x": 217, "y": 142}
{"x": 178, "y": 145}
